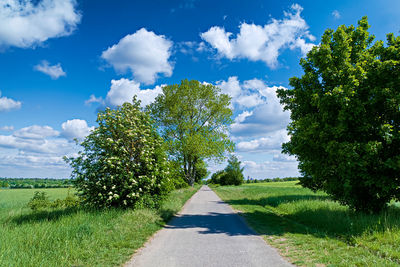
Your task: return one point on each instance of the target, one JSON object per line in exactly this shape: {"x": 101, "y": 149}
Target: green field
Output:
{"x": 311, "y": 230}
{"x": 76, "y": 237}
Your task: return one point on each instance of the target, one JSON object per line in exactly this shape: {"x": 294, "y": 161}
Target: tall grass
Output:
{"x": 310, "y": 229}
{"x": 76, "y": 237}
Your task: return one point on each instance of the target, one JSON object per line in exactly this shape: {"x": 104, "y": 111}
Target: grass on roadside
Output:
{"x": 76, "y": 237}
{"x": 312, "y": 230}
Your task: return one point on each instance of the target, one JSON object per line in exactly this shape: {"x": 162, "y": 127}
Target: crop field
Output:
{"x": 312, "y": 230}
{"x": 76, "y": 237}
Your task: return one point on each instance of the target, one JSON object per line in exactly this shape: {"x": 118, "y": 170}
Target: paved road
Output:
{"x": 206, "y": 233}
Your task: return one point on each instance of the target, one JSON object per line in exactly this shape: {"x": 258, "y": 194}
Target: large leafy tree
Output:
{"x": 122, "y": 161}
{"x": 345, "y": 112}
{"x": 194, "y": 120}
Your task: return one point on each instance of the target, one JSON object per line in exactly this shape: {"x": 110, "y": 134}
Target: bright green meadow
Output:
{"x": 309, "y": 229}
{"x": 76, "y": 237}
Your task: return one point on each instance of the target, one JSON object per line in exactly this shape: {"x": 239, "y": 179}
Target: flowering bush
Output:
{"x": 122, "y": 160}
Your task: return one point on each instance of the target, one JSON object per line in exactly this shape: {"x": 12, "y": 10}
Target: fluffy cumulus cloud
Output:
{"x": 262, "y": 42}
{"x": 241, "y": 96}
{"x": 143, "y": 53}
{"x": 123, "y": 90}
{"x": 259, "y": 128}
{"x": 271, "y": 143}
{"x": 38, "y": 151}
{"x": 264, "y": 118}
{"x": 7, "y": 104}
{"x": 54, "y": 71}
{"x": 75, "y": 128}
{"x": 26, "y": 23}
{"x": 36, "y": 132}
{"x": 259, "y": 107}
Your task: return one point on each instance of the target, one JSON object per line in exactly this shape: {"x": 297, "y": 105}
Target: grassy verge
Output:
{"x": 76, "y": 237}
{"x": 311, "y": 230}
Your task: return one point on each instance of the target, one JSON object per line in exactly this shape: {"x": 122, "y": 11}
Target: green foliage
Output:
{"x": 40, "y": 200}
{"x": 310, "y": 229}
{"x": 216, "y": 177}
{"x": 77, "y": 237}
{"x": 122, "y": 160}
{"x": 15, "y": 183}
{"x": 194, "y": 120}
{"x": 200, "y": 171}
{"x": 345, "y": 128}
{"x": 177, "y": 175}
{"x": 69, "y": 202}
{"x": 231, "y": 175}
{"x": 272, "y": 180}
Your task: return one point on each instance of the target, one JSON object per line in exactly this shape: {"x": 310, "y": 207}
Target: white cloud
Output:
{"x": 219, "y": 39}
{"x": 284, "y": 158}
{"x": 240, "y": 96}
{"x": 261, "y": 109}
{"x": 123, "y": 90}
{"x": 94, "y": 99}
{"x": 36, "y": 139}
{"x": 242, "y": 116}
{"x": 7, "y": 128}
{"x": 249, "y": 101}
{"x": 38, "y": 151}
{"x": 262, "y": 42}
{"x": 36, "y": 132}
{"x": 230, "y": 87}
{"x": 26, "y": 24}
{"x": 54, "y": 71}
{"x": 144, "y": 53}
{"x": 271, "y": 143}
{"x": 259, "y": 129}
{"x": 7, "y": 104}
{"x": 336, "y": 14}
{"x": 76, "y": 128}
{"x": 270, "y": 169}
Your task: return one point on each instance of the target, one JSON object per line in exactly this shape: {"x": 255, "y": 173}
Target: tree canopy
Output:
{"x": 345, "y": 111}
{"x": 193, "y": 118}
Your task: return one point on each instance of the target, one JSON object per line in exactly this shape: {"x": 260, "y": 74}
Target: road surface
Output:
{"x": 207, "y": 232}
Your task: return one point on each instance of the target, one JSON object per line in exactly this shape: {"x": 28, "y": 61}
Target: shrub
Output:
{"x": 40, "y": 200}
{"x": 216, "y": 177}
{"x": 122, "y": 161}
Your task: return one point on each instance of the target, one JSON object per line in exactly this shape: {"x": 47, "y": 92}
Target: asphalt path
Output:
{"x": 207, "y": 232}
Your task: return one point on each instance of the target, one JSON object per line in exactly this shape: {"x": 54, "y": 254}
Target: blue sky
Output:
{"x": 61, "y": 60}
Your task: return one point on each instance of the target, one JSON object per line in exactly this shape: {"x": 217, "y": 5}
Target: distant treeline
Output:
{"x": 15, "y": 183}
{"x": 270, "y": 180}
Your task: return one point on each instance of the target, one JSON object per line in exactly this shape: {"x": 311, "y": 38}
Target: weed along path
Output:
{"x": 206, "y": 232}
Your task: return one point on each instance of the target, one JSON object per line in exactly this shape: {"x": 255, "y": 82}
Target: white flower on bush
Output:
{"x": 114, "y": 155}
